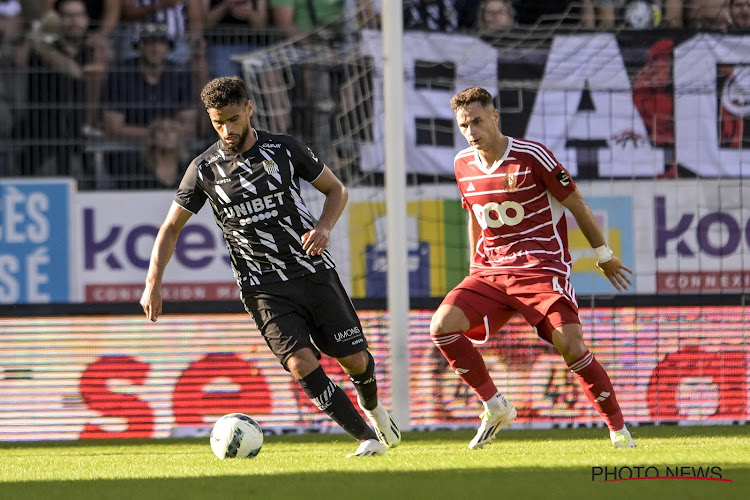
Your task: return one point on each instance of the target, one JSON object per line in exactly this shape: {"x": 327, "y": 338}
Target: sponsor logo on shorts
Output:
{"x": 345, "y": 335}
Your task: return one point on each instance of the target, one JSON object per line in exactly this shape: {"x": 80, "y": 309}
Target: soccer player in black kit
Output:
{"x": 287, "y": 278}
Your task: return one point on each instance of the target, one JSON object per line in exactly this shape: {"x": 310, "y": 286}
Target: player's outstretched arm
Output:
{"x": 316, "y": 240}
{"x": 164, "y": 245}
{"x": 615, "y": 271}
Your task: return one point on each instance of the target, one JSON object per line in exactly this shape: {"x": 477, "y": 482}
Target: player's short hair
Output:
{"x": 223, "y": 92}
{"x": 472, "y": 94}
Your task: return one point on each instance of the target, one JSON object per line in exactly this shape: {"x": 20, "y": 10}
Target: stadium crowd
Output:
{"x": 85, "y": 83}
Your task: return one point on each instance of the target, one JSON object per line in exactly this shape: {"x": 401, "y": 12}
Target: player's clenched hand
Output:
{"x": 617, "y": 273}
{"x": 151, "y": 301}
{"x": 315, "y": 241}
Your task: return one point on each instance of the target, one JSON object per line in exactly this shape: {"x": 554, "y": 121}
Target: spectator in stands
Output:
{"x": 707, "y": 15}
{"x": 164, "y": 156}
{"x": 59, "y": 71}
{"x": 673, "y": 14}
{"x": 555, "y": 12}
{"x": 495, "y": 16}
{"x": 233, "y": 27}
{"x": 606, "y": 13}
{"x": 185, "y": 21}
{"x": 444, "y": 16}
{"x": 740, "y": 13}
{"x": 317, "y": 90}
{"x": 104, "y": 17}
{"x": 639, "y": 14}
{"x": 297, "y": 17}
{"x": 143, "y": 90}
{"x": 11, "y": 31}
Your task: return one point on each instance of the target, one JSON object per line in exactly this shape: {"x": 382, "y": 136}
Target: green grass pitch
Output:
{"x": 520, "y": 464}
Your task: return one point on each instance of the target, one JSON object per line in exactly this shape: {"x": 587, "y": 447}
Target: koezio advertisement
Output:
{"x": 59, "y": 246}
{"x": 123, "y": 377}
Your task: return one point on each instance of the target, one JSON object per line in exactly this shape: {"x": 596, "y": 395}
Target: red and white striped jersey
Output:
{"x": 516, "y": 201}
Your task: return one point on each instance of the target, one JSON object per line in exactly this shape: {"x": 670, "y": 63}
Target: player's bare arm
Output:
{"x": 615, "y": 271}
{"x": 316, "y": 241}
{"x": 164, "y": 245}
{"x": 475, "y": 232}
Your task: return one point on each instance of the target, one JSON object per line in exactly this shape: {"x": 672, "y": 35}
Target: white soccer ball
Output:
{"x": 236, "y": 435}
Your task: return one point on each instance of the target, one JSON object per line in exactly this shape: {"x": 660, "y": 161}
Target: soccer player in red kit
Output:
{"x": 517, "y": 193}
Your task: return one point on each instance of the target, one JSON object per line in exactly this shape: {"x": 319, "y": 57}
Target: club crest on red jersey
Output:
{"x": 510, "y": 182}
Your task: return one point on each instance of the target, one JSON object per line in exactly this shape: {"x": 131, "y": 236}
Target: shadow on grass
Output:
{"x": 459, "y": 483}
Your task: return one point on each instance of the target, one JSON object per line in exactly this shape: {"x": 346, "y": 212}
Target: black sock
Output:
{"x": 367, "y": 385}
{"x": 332, "y": 400}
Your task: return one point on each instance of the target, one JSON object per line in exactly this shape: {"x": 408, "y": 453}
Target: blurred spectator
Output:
{"x": 104, "y": 17}
{"x": 638, "y": 14}
{"x": 326, "y": 17}
{"x": 444, "y": 16}
{"x": 184, "y": 20}
{"x": 143, "y": 90}
{"x": 11, "y": 31}
{"x": 606, "y": 13}
{"x": 555, "y": 12}
{"x": 59, "y": 73}
{"x": 739, "y": 10}
{"x": 233, "y": 27}
{"x": 164, "y": 157}
{"x": 707, "y": 14}
{"x": 673, "y": 14}
{"x": 495, "y": 16}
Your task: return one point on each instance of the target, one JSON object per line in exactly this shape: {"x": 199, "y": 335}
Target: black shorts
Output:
{"x": 312, "y": 311}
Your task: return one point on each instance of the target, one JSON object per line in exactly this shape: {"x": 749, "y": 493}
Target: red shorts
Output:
{"x": 546, "y": 302}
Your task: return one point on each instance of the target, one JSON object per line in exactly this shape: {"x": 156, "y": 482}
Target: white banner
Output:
{"x": 583, "y": 103}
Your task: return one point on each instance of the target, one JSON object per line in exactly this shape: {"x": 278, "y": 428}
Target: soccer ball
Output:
{"x": 236, "y": 435}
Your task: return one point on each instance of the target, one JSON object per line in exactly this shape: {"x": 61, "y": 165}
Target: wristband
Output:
{"x": 603, "y": 253}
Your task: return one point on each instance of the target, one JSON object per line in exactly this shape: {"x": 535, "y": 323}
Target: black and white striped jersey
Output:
{"x": 174, "y": 18}
{"x": 258, "y": 206}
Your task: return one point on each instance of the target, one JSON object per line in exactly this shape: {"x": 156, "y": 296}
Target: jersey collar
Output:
{"x": 491, "y": 168}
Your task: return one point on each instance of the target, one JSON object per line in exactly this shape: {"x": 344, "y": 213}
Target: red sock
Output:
{"x": 466, "y": 361}
{"x": 598, "y": 389}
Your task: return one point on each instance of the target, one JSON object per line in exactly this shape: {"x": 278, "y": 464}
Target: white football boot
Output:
{"x": 368, "y": 448}
{"x": 385, "y": 427}
{"x": 493, "y": 421}
{"x": 621, "y": 438}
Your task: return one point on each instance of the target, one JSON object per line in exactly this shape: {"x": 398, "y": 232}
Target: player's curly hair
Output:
{"x": 223, "y": 92}
{"x": 472, "y": 94}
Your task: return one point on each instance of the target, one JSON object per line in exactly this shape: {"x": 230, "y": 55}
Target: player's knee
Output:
{"x": 569, "y": 342}
{"x": 301, "y": 363}
{"x": 439, "y": 325}
{"x": 448, "y": 319}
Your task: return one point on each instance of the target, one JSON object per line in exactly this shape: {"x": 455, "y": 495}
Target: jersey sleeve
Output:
{"x": 308, "y": 166}
{"x": 190, "y": 195}
{"x": 556, "y": 179}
